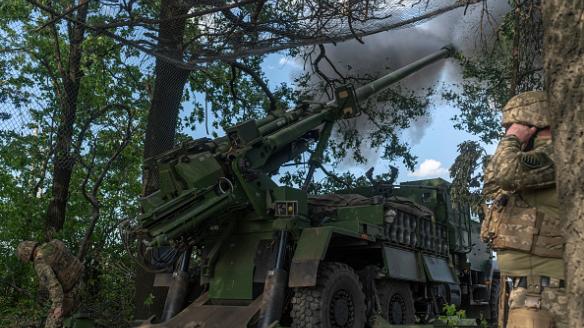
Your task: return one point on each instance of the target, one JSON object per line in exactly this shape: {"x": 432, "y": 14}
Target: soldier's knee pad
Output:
{"x": 529, "y": 318}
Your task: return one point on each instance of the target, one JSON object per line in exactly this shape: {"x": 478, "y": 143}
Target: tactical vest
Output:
{"x": 67, "y": 267}
{"x": 513, "y": 224}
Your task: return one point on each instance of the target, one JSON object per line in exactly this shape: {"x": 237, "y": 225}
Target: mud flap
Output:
{"x": 201, "y": 315}
{"x": 439, "y": 270}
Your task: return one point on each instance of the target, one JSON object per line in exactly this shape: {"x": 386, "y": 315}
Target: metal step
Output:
{"x": 200, "y": 315}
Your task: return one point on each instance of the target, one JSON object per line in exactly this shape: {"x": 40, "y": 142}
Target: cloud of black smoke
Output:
{"x": 465, "y": 28}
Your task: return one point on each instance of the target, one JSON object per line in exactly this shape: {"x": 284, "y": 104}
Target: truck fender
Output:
{"x": 311, "y": 248}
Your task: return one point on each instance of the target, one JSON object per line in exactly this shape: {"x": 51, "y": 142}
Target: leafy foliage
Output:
{"x": 334, "y": 181}
{"x": 223, "y": 95}
{"x": 466, "y": 182}
{"x": 451, "y": 317}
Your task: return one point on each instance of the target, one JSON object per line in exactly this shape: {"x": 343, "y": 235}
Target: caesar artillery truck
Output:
{"x": 270, "y": 255}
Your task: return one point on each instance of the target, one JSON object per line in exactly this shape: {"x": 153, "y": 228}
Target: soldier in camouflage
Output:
{"x": 59, "y": 272}
{"x": 523, "y": 224}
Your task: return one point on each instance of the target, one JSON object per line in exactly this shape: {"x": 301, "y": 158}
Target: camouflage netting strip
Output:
{"x": 341, "y": 21}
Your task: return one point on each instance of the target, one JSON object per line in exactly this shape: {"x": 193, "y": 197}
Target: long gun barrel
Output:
{"x": 382, "y": 83}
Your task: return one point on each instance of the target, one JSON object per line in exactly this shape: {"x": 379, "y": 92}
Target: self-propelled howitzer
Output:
{"x": 271, "y": 253}
{"x": 205, "y": 178}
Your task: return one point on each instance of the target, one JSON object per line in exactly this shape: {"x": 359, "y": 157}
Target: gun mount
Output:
{"x": 271, "y": 254}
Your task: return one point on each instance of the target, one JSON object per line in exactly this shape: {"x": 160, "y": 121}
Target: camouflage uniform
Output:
{"x": 523, "y": 226}
{"x": 59, "y": 272}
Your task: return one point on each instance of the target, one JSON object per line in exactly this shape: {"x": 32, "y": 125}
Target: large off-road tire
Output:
{"x": 397, "y": 303}
{"x": 337, "y": 300}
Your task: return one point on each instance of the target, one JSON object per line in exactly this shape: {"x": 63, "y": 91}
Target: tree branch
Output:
{"x": 194, "y": 14}
{"x": 316, "y": 68}
{"x": 258, "y": 79}
{"x": 92, "y": 197}
{"x": 55, "y": 18}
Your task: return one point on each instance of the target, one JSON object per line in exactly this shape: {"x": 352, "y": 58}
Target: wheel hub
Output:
{"x": 342, "y": 310}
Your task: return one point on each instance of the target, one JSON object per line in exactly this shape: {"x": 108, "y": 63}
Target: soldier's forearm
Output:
{"x": 513, "y": 169}
{"x": 57, "y": 296}
{"x": 505, "y": 163}
{"x": 49, "y": 279}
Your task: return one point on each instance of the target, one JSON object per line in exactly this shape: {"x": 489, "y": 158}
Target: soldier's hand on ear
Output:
{"x": 522, "y": 132}
{"x": 58, "y": 312}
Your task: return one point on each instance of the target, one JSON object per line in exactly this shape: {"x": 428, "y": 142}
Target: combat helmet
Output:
{"x": 25, "y": 249}
{"x": 527, "y": 108}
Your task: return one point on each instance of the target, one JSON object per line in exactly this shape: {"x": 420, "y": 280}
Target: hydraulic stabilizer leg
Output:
{"x": 275, "y": 286}
{"x": 178, "y": 289}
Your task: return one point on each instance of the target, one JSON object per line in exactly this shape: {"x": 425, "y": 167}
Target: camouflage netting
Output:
{"x": 231, "y": 34}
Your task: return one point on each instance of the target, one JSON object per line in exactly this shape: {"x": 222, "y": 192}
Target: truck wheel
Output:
{"x": 337, "y": 300}
{"x": 397, "y": 303}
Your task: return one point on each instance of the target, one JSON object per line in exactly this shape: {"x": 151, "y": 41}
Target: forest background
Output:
{"x": 90, "y": 88}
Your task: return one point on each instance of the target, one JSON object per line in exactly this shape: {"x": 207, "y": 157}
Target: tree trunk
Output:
{"x": 564, "y": 74}
{"x": 160, "y": 132}
{"x": 515, "y": 64}
{"x": 64, "y": 160}
{"x": 168, "y": 89}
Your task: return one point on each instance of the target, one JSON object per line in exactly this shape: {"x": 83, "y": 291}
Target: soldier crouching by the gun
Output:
{"x": 523, "y": 223}
{"x": 59, "y": 272}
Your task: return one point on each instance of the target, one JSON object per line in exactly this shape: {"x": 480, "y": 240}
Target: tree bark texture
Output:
{"x": 168, "y": 89}
{"x": 64, "y": 160}
{"x": 515, "y": 50}
{"x": 564, "y": 75}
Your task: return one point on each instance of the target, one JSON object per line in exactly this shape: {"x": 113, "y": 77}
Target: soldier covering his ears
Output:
{"x": 59, "y": 272}
{"x": 522, "y": 224}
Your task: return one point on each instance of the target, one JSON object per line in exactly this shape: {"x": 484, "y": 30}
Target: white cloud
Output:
{"x": 289, "y": 61}
{"x": 430, "y": 168}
